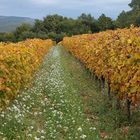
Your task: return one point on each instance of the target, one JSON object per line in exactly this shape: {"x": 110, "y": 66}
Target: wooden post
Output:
{"x": 96, "y": 78}
{"x": 109, "y": 91}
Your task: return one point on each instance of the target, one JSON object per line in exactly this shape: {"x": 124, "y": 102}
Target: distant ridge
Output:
{"x": 10, "y": 23}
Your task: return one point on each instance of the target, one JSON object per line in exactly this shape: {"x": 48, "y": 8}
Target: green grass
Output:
{"x": 65, "y": 103}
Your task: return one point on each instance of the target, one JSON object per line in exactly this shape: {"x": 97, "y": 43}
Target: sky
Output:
{"x": 69, "y": 8}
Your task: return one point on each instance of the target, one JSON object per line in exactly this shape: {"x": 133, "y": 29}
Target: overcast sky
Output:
{"x": 70, "y": 8}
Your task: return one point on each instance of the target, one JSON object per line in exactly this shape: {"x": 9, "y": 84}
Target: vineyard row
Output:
{"x": 18, "y": 62}
{"x": 114, "y": 57}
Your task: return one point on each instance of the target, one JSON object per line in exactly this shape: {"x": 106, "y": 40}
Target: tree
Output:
{"x": 125, "y": 19}
{"x": 105, "y": 23}
{"x": 135, "y": 4}
{"x": 21, "y": 29}
{"x": 122, "y": 20}
{"x": 68, "y": 26}
{"x": 87, "y": 24}
{"x": 7, "y": 37}
{"x": 51, "y": 23}
{"x": 137, "y": 22}
{"x": 135, "y": 17}
{"x": 26, "y": 34}
{"x": 38, "y": 26}
{"x": 41, "y": 35}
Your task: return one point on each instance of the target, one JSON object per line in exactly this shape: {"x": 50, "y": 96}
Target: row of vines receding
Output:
{"x": 18, "y": 62}
{"x": 114, "y": 58}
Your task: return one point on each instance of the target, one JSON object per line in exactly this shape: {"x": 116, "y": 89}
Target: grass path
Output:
{"x": 53, "y": 108}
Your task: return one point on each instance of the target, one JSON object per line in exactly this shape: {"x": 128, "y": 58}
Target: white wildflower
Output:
{"x": 36, "y": 138}
{"x": 83, "y": 136}
{"x": 93, "y": 128}
{"x": 79, "y": 129}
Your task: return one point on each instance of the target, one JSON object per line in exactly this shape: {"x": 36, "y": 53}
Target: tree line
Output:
{"x": 56, "y": 26}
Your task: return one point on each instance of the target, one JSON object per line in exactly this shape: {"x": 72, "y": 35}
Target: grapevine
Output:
{"x": 18, "y": 62}
{"x": 113, "y": 55}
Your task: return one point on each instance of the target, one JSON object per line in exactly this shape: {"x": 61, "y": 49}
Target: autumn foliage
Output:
{"x": 113, "y": 55}
{"x": 18, "y": 62}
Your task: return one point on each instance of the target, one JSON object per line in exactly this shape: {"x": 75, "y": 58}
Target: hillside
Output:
{"x": 9, "y": 23}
